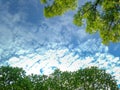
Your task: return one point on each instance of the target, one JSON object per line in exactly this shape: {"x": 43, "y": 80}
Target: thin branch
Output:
{"x": 92, "y": 7}
{"x": 110, "y": 26}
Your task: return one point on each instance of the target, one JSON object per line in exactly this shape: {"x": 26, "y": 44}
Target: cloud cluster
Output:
{"x": 18, "y": 34}
{"x": 45, "y": 60}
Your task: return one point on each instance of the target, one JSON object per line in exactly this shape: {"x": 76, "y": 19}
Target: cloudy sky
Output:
{"x": 40, "y": 45}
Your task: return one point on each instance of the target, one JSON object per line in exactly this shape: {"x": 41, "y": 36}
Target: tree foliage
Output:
{"x": 59, "y": 7}
{"x": 102, "y": 16}
{"x": 43, "y": 1}
{"x": 13, "y": 78}
{"x": 95, "y": 79}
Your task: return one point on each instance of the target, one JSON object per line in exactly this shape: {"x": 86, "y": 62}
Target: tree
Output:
{"x": 38, "y": 82}
{"x": 102, "y": 16}
{"x": 95, "y": 79}
{"x": 55, "y": 81}
{"x": 91, "y": 78}
{"x": 13, "y": 78}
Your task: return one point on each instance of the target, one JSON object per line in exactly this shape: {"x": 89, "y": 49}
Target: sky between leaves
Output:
{"x": 40, "y": 45}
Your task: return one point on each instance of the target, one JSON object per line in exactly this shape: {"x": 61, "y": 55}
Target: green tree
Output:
{"x": 38, "y": 82}
{"x": 68, "y": 80}
{"x": 55, "y": 78}
{"x": 61, "y": 80}
{"x": 84, "y": 79}
{"x": 95, "y": 79}
{"x": 102, "y": 16}
{"x": 13, "y": 78}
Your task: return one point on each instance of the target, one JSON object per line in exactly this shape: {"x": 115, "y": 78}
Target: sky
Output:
{"x": 40, "y": 45}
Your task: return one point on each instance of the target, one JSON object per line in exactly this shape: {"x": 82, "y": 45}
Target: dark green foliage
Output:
{"x": 101, "y": 16}
{"x": 84, "y": 79}
{"x": 95, "y": 79}
{"x": 38, "y": 82}
{"x": 13, "y": 78}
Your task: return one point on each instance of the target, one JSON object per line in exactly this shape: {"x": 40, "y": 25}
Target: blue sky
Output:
{"x": 39, "y": 45}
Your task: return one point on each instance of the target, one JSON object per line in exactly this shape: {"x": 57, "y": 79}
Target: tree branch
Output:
{"x": 92, "y": 7}
{"x": 110, "y": 25}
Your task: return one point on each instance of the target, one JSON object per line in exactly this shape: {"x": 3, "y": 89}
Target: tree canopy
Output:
{"x": 102, "y": 16}
{"x": 13, "y": 78}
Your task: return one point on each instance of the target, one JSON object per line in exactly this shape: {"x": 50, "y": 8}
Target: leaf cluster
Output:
{"x": 59, "y": 7}
{"x": 102, "y": 16}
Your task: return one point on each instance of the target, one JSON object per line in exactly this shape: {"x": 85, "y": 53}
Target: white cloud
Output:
{"x": 65, "y": 59}
{"x": 16, "y": 37}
